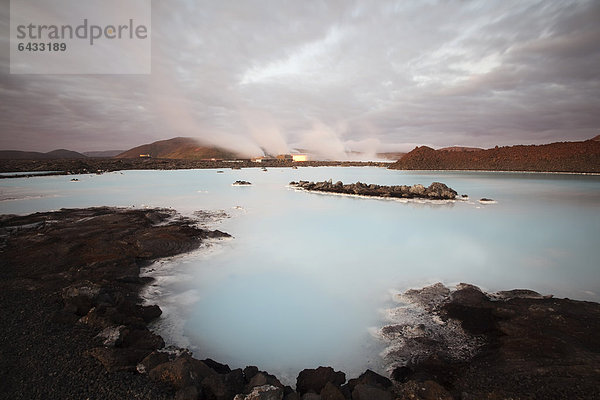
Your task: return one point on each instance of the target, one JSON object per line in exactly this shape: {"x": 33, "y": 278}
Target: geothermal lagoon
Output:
{"x": 308, "y": 278}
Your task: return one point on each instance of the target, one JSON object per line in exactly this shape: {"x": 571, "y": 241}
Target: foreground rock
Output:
{"x": 435, "y": 191}
{"x": 72, "y": 322}
{"x": 467, "y": 344}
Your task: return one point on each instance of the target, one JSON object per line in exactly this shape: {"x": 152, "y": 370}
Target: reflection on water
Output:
{"x": 306, "y": 274}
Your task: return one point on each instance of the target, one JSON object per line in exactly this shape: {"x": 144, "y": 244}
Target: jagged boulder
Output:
{"x": 314, "y": 380}
{"x": 331, "y": 392}
{"x": 367, "y": 392}
{"x": 182, "y": 372}
{"x": 372, "y": 379}
{"x": 223, "y": 386}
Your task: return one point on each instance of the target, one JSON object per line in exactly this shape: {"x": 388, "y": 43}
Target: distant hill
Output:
{"x": 179, "y": 148}
{"x": 34, "y": 155}
{"x": 556, "y": 157}
{"x": 63, "y": 153}
{"x": 460, "y": 148}
{"x": 596, "y": 138}
{"x": 102, "y": 154}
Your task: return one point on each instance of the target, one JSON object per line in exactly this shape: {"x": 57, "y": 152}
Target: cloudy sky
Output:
{"x": 333, "y": 75}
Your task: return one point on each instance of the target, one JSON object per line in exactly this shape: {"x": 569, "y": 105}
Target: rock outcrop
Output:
{"x": 435, "y": 191}
{"x": 466, "y": 343}
{"x": 556, "y": 157}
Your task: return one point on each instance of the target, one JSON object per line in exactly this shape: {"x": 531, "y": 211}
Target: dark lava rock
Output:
{"x": 401, "y": 374}
{"x": 223, "y": 387}
{"x": 372, "y": 379}
{"x": 250, "y": 371}
{"x": 314, "y": 380}
{"x": 151, "y": 361}
{"x": 528, "y": 346}
{"x": 435, "y": 191}
{"x": 331, "y": 392}
{"x": 424, "y": 390}
{"x": 83, "y": 262}
{"x": 150, "y": 313}
{"x": 188, "y": 393}
{"x": 142, "y": 339}
{"x": 114, "y": 359}
{"x": 367, "y": 392}
{"x": 217, "y": 367}
{"x": 266, "y": 392}
{"x": 263, "y": 378}
{"x": 182, "y": 372}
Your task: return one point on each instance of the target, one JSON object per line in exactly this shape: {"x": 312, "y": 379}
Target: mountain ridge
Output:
{"x": 179, "y": 148}
{"x": 553, "y": 157}
{"x": 36, "y": 155}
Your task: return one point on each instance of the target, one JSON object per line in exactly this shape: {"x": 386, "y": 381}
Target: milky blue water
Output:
{"x": 306, "y": 275}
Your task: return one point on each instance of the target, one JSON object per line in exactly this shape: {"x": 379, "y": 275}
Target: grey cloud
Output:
{"x": 333, "y": 75}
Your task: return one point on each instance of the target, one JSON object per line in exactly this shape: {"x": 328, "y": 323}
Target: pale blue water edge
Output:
{"x": 307, "y": 275}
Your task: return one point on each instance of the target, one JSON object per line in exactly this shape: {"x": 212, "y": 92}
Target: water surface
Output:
{"x": 306, "y": 275}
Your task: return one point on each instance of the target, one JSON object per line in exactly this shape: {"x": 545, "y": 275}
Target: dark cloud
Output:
{"x": 338, "y": 75}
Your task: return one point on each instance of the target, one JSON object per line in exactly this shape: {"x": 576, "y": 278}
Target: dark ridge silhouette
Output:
{"x": 35, "y": 155}
{"x": 553, "y": 157}
{"x": 179, "y": 148}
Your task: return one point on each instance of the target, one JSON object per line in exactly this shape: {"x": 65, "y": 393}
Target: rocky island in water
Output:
{"x": 435, "y": 191}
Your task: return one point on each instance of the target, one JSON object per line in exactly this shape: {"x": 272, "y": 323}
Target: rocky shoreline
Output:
{"x": 435, "y": 191}
{"x": 102, "y": 165}
{"x": 514, "y": 344}
{"x": 73, "y": 327}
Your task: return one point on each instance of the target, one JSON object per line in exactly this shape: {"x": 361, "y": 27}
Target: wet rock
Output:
{"x": 331, "y": 392}
{"x": 265, "y": 392}
{"x": 151, "y": 361}
{"x": 262, "y": 378}
{"x": 469, "y": 295}
{"x": 473, "y": 308}
{"x": 181, "y": 372}
{"x": 223, "y": 387}
{"x": 314, "y": 380}
{"x": 117, "y": 359}
{"x": 519, "y": 294}
{"x": 418, "y": 190}
{"x": 250, "y": 371}
{"x": 187, "y": 393}
{"x": 401, "y": 374}
{"x": 292, "y": 396}
{"x": 372, "y": 379}
{"x": 367, "y": 392}
{"x": 217, "y": 367}
{"x": 81, "y": 296}
{"x": 428, "y": 297}
{"x": 427, "y": 390}
{"x": 150, "y": 313}
{"x": 113, "y": 335}
{"x": 142, "y": 339}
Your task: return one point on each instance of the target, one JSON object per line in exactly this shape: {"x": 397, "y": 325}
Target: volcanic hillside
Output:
{"x": 179, "y": 148}
{"x": 553, "y": 157}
